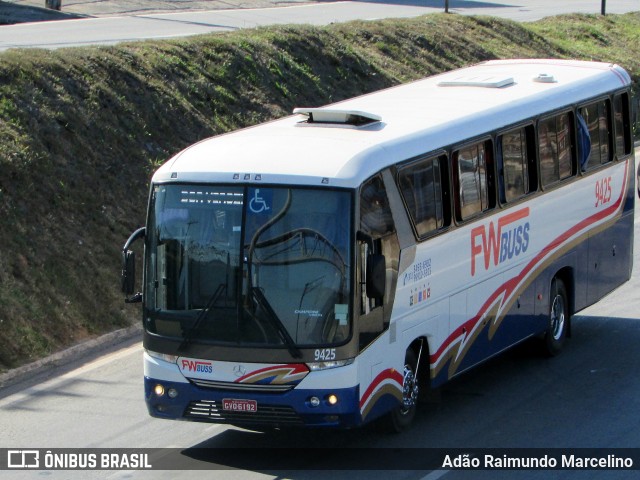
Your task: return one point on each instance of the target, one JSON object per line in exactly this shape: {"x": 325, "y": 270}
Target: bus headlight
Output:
{"x": 317, "y": 366}
{"x": 163, "y": 356}
{"x": 158, "y": 390}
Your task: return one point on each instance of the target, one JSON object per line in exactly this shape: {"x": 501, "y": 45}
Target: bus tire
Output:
{"x": 401, "y": 417}
{"x": 558, "y": 325}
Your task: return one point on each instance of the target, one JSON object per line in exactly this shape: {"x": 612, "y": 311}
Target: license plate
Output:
{"x": 236, "y": 405}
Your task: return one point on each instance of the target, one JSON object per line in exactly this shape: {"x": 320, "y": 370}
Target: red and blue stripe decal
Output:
{"x": 387, "y": 382}
{"x": 289, "y": 374}
{"x": 457, "y": 344}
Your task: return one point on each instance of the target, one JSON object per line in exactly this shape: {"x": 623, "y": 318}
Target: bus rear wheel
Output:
{"x": 556, "y": 333}
{"x": 401, "y": 418}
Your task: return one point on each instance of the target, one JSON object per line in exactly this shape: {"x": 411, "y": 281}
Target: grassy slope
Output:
{"x": 82, "y": 129}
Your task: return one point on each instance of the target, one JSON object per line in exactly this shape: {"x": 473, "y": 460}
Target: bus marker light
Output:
{"x": 159, "y": 390}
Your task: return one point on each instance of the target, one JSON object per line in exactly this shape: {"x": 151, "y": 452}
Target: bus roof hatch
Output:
{"x": 344, "y": 117}
{"x": 487, "y": 81}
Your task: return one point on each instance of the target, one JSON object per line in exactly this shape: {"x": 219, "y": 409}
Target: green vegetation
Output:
{"x": 81, "y": 131}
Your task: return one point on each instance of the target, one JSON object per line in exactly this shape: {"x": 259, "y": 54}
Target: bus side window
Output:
{"x": 375, "y": 214}
{"x": 622, "y": 124}
{"x": 515, "y": 157}
{"x": 473, "y": 168}
{"x": 597, "y": 118}
{"x": 422, "y": 186}
{"x": 377, "y": 236}
{"x": 555, "y": 147}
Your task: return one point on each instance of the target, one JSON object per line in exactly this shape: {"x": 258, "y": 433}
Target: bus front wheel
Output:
{"x": 400, "y": 418}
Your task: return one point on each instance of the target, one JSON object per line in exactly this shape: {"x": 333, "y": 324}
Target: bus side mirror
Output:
{"x": 128, "y": 278}
{"x": 376, "y": 275}
{"x": 128, "y": 272}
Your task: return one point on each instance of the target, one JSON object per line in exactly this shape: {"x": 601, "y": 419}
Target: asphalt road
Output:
{"x": 587, "y": 397}
{"x": 110, "y": 30}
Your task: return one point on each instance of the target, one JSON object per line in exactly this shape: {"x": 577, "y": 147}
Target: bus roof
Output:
{"x": 353, "y": 139}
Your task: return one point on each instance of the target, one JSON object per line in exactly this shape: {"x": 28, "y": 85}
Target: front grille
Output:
{"x": 211, "y": 411}
{"x": 242, "y": 387}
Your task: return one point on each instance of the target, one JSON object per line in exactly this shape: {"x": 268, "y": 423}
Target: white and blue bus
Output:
{"x": 328, "y": 268}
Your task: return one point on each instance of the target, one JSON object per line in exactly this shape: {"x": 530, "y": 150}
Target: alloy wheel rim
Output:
{"x": 409, "y": 390}
{"x": 557, "y": 317}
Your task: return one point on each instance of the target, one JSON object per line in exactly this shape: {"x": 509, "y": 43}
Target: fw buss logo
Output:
{"x": 510, "y": 239}
{"x": 199, "y": 366}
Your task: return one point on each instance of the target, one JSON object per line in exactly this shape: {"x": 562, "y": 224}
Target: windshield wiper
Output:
{"x": 273, "y": 317}
{"x": 202, "y": 315}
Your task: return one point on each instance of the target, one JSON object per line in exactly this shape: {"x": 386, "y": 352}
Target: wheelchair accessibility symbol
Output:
{"x": 258, "y": 204}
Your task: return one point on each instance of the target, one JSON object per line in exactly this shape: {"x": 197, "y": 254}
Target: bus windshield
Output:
{"x": 249, "y": 265}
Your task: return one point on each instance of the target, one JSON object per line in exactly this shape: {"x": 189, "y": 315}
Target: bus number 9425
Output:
{"x": 603, "y": 191}
{"x": 324, "y": 354}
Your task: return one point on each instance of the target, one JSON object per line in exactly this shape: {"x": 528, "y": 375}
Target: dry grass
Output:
{"x": 82, "y": 129}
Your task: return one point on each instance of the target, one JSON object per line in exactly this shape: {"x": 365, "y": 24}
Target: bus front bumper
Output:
{"x": 337, "y": 408}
